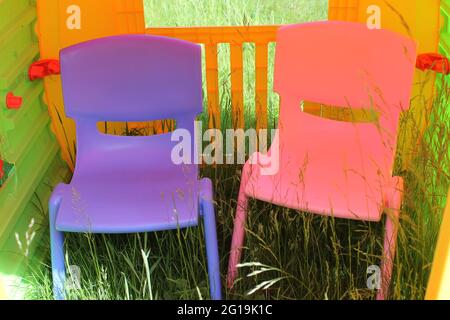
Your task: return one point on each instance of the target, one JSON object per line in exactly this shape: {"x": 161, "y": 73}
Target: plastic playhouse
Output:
{"x": 75, "y": 74}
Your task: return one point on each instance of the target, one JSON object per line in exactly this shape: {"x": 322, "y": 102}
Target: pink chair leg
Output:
{"x": 390, "y": 239}
{"x": 239, "y": 228}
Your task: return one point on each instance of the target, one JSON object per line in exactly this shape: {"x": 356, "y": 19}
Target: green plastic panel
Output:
{"x": 26, "y": 140}
{"x": 31, "y": 223}
{"x": 444, "y": 45}
{"x": 439, "y": 127}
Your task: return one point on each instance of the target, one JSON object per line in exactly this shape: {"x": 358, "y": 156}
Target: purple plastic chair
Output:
{"x": 130, "y": 184}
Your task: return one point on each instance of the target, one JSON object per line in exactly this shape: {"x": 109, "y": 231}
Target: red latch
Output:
{"x": 43, "y": 68}
{"x": 12, "y": 101}
{"x": 2, "y": 173}
{"x": 433, "y": 61}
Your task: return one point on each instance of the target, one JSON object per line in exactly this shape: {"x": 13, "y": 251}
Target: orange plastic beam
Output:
{"x": 222, "y": 34}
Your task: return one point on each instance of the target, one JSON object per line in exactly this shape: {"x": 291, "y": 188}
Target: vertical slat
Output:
{"x": 138, "y": 13}
{"x": 353, "y": 10}
{"x": 332, "y": 9}
{"x": 134, "y": 21}
{"x": 212, "y": 84}
{"x": 237, "y": 87}
{"x": 119, "y": 16}
{"x": 261, "y": 62}
{"x": 129, "y": 15}
{"x": 343, "y": 10}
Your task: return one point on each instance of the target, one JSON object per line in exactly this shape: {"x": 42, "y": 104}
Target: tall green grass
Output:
{"x": 309, "y": 256}
{"x": 185, "y": 13}
{"x": 303, "y": 256}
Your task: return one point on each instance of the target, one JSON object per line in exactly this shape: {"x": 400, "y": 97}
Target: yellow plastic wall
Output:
{"x": 418, "y": 19}
{"x": 439, "y": 283}
{"x": 67, "y": 22}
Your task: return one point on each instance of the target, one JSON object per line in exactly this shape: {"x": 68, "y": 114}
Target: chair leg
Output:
{"x": 212, "y": 251}
{"x": 239, "y": 229}
{"x": 57, "y": 250}
{"x": 390, "y": 240}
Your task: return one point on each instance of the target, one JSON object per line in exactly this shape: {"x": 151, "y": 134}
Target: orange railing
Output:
{"x": 235, "y": 37}
{"x": 210, "y": 37}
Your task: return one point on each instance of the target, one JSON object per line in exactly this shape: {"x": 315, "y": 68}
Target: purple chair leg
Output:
{"x": 212, "y": 252}
{"x": 56, "y": 249}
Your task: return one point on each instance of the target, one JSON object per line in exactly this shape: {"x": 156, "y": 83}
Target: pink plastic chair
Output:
{"x": 329, "y": 167}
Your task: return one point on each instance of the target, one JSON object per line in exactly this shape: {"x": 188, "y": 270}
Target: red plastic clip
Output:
{"x": 43, "y": 68}
{"x": 12, "y": 101}
{"x": 2, "y": 173}
{"x": 433, "y": 61}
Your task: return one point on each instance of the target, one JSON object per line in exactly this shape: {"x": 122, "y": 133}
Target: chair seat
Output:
{"x": 309, "y": 179}
{"x": 354, "y": 200}
{"x": 129, "y": 202}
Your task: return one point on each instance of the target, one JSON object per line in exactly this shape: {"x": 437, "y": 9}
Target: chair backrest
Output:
{"x": 347, "y": 65}
{"x": 132, "y": 78}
